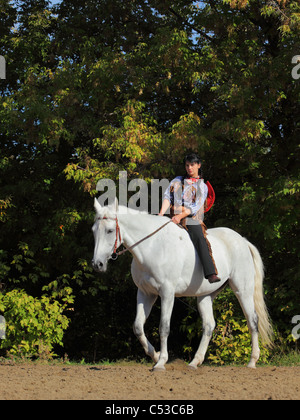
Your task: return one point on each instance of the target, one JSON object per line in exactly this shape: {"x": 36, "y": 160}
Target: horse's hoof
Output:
{"x": 159, "y": 369}
{"x": 192, "y": 367}
{"x": 252, "y": 363}
{"x": 251, "y": 366}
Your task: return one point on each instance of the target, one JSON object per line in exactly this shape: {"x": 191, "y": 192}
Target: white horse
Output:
{"x": 166, "y": 264}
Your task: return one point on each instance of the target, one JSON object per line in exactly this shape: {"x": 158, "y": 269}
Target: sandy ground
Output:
{"x": 138, "y": 382}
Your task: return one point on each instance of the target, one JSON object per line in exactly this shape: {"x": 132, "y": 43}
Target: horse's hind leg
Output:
{"x": 144, "y": 306}
{"x": 205, "y": 308}
{"x": 245, "y": 296}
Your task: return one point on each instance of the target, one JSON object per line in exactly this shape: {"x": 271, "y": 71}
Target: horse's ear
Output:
{"x": 97, "y": 205}
{"x": 116, "y": 205}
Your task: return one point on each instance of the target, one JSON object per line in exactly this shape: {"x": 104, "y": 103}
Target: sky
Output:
{"x": 52, "y": 2}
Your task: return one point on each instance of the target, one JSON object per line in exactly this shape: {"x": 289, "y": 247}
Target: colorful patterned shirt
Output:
{"x": 188, "y": 192}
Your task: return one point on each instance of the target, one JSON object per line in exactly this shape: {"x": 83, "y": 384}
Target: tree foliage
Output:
{"x": 95, "y": 87}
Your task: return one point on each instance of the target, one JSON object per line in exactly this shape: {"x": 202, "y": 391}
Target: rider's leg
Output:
{"x": 203, "y": 249}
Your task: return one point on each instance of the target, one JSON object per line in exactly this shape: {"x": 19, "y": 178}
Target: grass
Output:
{"x": 279, "y": 359}
{"x": 282, "y": 359}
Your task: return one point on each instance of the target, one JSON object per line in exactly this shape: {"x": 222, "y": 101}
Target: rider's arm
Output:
{"x": 164, "y": 207}
{"x": 169, "y": 198}
{"x": 184, "y": 213}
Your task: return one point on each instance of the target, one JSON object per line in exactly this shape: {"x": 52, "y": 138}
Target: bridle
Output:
{"x": 116, "y": 254}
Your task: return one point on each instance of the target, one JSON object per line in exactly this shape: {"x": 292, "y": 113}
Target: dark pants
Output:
{"x": 200, "y": 244}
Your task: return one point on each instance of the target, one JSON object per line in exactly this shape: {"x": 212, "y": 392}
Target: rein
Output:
{"x": 116, "y": 254}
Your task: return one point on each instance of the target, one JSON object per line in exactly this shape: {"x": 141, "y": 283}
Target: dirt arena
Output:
{"x": 138, "y": 382}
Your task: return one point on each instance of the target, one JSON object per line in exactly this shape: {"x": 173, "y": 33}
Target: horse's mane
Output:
{"x": 124, "y": 210}
{"x": 106, "y": 211}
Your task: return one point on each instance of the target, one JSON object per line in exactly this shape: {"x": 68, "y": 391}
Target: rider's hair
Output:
{"x": 192, "y": 157}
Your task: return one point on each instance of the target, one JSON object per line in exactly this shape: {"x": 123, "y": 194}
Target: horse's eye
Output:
{"x": 110, "y": 231}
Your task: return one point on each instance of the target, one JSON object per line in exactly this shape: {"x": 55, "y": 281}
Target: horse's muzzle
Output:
{"x": 99, "y": 266}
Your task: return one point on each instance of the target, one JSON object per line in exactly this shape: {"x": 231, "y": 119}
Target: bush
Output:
{"x": 33, "y": 325}
{"x": 231, "y": 342}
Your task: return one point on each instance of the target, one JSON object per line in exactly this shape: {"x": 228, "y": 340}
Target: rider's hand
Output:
{"x": 176, "y": 219}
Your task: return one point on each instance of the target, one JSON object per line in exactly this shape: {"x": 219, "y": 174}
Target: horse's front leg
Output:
{"x": 167, "y": 303}
{"x": 205, "y": 307}
{"x": 144, "y": 306}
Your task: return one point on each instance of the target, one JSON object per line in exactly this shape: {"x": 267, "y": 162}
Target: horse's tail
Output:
{"x": 264, "y": 321}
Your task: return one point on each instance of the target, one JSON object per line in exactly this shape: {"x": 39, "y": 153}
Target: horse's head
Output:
{"x": 106, "y": 234}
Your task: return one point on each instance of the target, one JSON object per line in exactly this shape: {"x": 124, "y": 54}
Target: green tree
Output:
{"x": 95, "y": 87}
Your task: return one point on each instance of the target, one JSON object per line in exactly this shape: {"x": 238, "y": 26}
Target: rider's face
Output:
{"x": 192, "y": 169}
